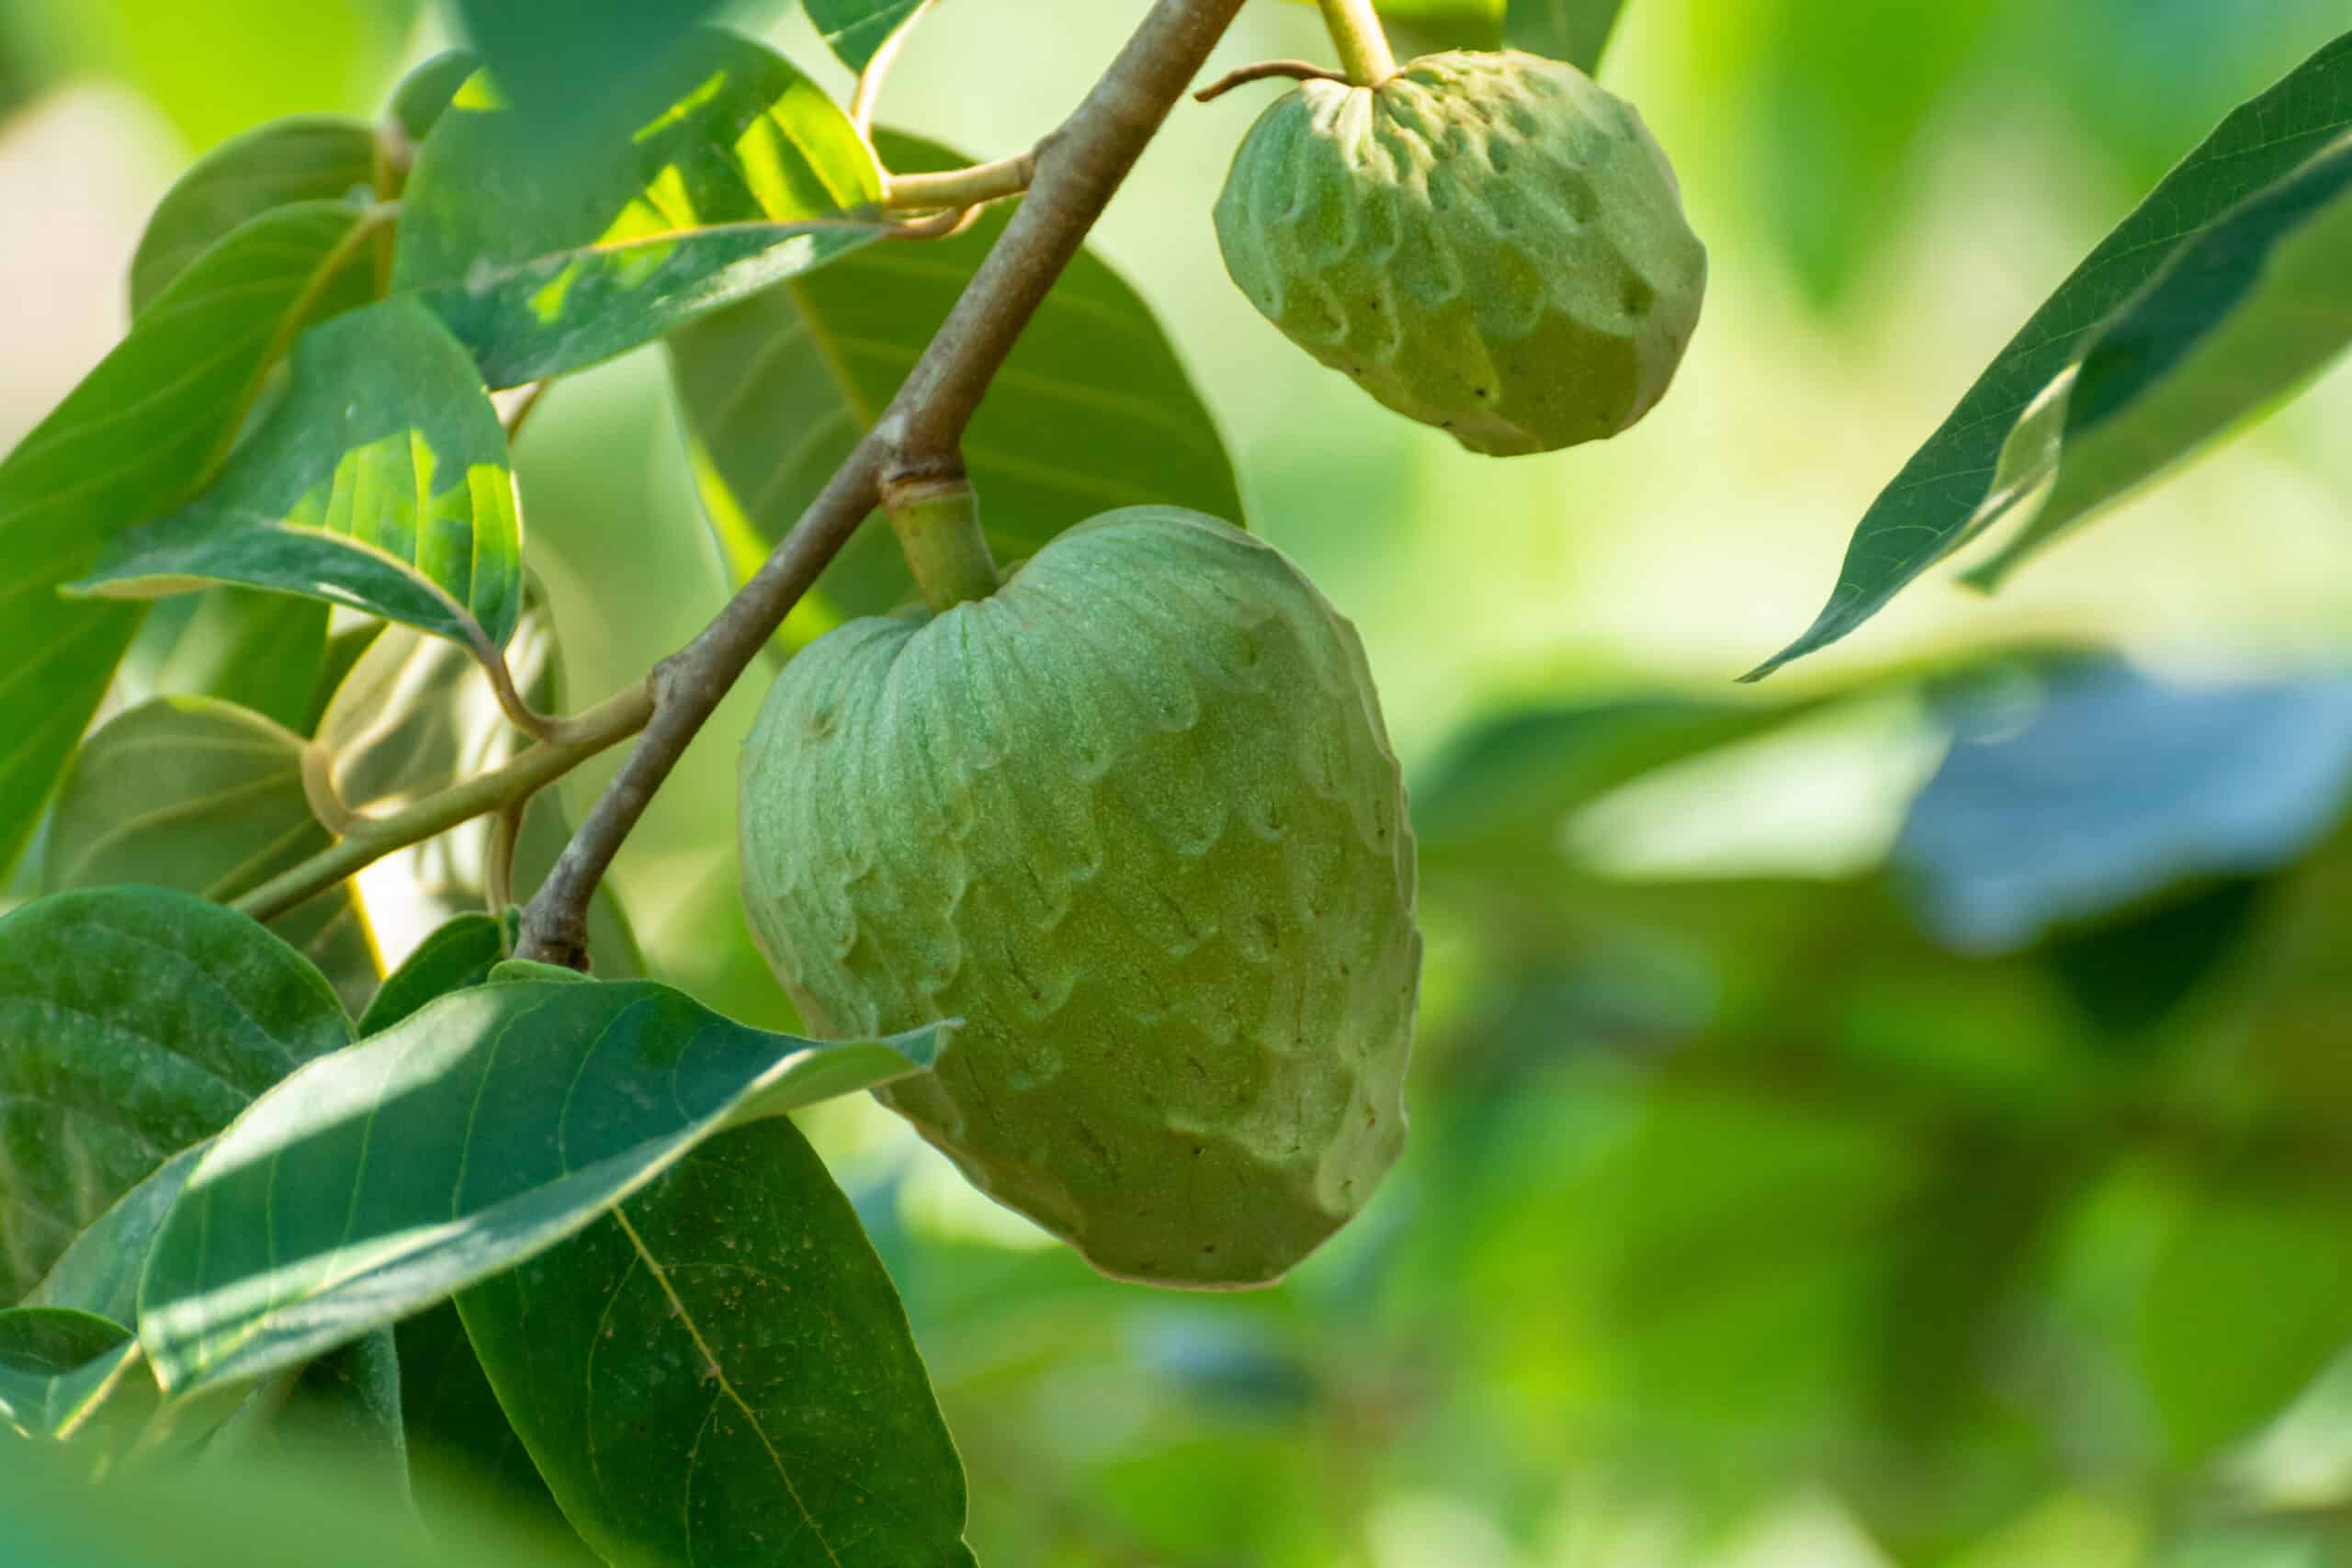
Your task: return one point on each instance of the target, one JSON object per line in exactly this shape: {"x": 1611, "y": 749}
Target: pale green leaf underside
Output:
{"x": 133, "y": 1022}
{"x": 311, "y": 158}
{"x": 2257, "y": 305}
{"x": 855, "y": 31}
{"x": 792, "y": 1421}
{"x": 1925, "y": 514}
{"x": 202, "y": 796}
{"x": 1093, "y": 410}
{"x": 381, "y": 482}
{"x": 472, "y": 1135}
{"x": 752, "y": 175}
{"x": 135, "y": 439}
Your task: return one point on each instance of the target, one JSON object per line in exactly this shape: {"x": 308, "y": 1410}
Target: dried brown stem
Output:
{"x": 1265, "y": 69}
{"x": 1078, "y": 170}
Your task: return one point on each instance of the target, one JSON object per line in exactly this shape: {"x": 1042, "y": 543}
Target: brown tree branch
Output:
{"x": 918, "y": 436}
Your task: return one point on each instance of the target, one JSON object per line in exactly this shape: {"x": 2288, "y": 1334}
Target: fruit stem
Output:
{"x": 938, "y": 521}
{"x": 1363, "y": 47}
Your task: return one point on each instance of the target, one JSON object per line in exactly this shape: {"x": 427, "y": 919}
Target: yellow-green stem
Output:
{"x": 1362, "y": 45}
{"x": 938, "y": 524}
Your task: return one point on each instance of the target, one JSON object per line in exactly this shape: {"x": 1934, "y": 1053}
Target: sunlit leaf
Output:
{"x": 379, "y": 482}
{"x": 460, "y": 953}
{"x": 569, "y": 66}
{"x": 751, "y": 175}
{"x": 262, "y": 651}
{"x": 474, "y": 1134}
{"x": 141, "y": 434}
{"x": 425, "y": 92}
{"x": 1575, "y": 30}
{"x": 1925, "y": 514}
{"x": 2250, "y": 1296}
{"x": 2256, "y": 305}
{"x": 137, "y": 1022}
{"x": 722, "y": 1372}
{"x": 855, "y": 31}
{"x": 313, "y": 158}
{"x": 1093, "y": 410}
{"x": 204, "y": 798}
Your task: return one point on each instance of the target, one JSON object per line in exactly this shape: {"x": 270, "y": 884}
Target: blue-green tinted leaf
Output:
{"x": 855, "y": 31}
{"x": 1093, "y": 410}
{"x": 379, "y": 482}
{"x": 2253, "y": 308}
{"x": 1925, "y": 514}
{"x": 2109, "y": 787}
{"x": 457, "y": 1431}
{"x": 569, "y": 66}
{"x": 99, "y": 1272}
{"x": 1575, "y": 30}
{"x": 133, "y": 1022}
{"x": 474, "y": 1134}
{"x": 203, "y": 797}
{"x": 312, "y": 158}
{"x": 749, "y": 176}
{"x": 722, "y": 1373}
{"x": 55, "y": 1363}
{"x": 141, "y": 434}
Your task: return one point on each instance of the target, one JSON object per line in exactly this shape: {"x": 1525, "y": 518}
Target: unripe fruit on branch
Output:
{"x": 1488, "y": 242}
{"x": 1134, "y": 819}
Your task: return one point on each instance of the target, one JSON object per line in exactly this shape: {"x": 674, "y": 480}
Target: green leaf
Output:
{"x": 379, "y": 482}
{"x": 99, "y": 1272}
{"x": 456, "y": 1428}
{"x": 1575, "y": 30}
{"x": 141, "y": 434}
{"x": 262, "y": 651}
{"x": 855, "y": 31}
{"x": 203, "y": 797}
{"x": 461, "y": 953}
{"x": 749, "y": 176}
{"x": 570, "y": 66}
{"x": 425, "y": 92}
{"x": 2256, "y": 305}
{"x": 1441, "y": 23}
{"x": 2250, "y": 1296}
{"x": 478, "y": 1131}
{"x": 133, "y": 1022}
{"x": 1092, "y": 411}
{"x": 312, "y": 158}
{"x": 721, "y": 1371}
{"x": 1925, "y": 513}
{"x": 56, "y": 1365}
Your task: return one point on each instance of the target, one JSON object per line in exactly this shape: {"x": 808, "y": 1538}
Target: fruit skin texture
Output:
{"x": 1488, "y": 242}
{"x": 1134, "y": 817}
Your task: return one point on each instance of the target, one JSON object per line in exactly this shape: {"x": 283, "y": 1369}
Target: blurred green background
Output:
{"x": 1899, "y": 1115}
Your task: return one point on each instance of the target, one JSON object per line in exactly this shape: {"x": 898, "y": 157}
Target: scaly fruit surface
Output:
{"x": 1134, "y": 818}
{"x": 1488, "y": 242}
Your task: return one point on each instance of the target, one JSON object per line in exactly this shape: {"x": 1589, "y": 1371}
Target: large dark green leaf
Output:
{"x": 474, "y": 1134}
{"x": 379, "y": 482}
{"x": 1575, "y": 30}
{"x": 99, "y": 1272}
{"x": 1093, "y": 410}
{"x": 751, "y": 175}
{"x": 721, "y": 1371}
{"x": 313, "y": 158}
{"x": 204, "y": 798}
{"x": 575, "y": 67}
{"x": 133, "y": 1022}
{"x": 141, "y": 434}
{"x": 2254, "y": 307}
{"x": 55, "y": 1365}
{"x": 855, "y": 31}
{"x": 1925, "y": 513}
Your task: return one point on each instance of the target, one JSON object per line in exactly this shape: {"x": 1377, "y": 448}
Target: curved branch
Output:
{"x": 1079, "y": 168}
{"x": 1289, "y": 70}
